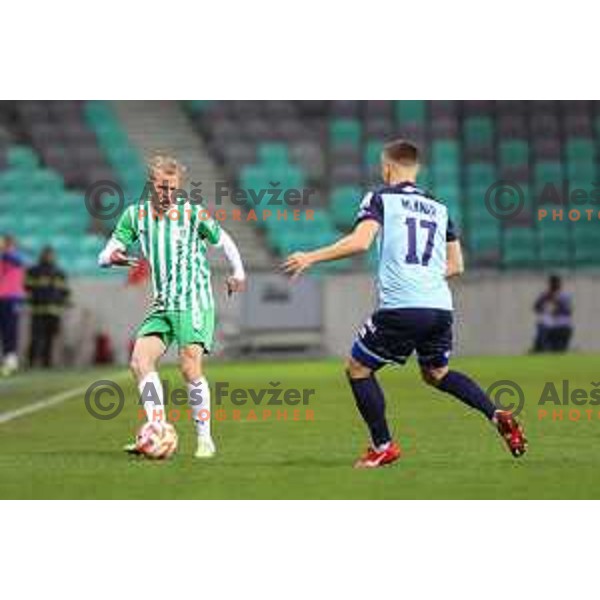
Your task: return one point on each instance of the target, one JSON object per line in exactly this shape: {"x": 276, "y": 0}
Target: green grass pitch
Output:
{"x": 450, "y": 451}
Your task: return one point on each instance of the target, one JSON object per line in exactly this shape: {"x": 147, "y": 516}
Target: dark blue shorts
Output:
{"x": 392, "y": 335}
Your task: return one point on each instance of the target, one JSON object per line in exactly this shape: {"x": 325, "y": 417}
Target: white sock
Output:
{"x": 199, "y": 400}
{"x": 11, "y": 361}
{"x": 151, "y": 391}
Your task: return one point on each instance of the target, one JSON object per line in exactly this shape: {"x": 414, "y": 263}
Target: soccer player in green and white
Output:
{"x": 174, "y": 239}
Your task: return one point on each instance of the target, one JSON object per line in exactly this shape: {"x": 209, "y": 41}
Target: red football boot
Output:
{"x": 512, "y": 433}
{"x": 372, "y": 459}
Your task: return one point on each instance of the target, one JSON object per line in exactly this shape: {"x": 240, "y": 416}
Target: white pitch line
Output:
{"x": 11, "y": 415}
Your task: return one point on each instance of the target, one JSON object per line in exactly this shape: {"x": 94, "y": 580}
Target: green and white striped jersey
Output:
{"x": 174, "y": 243}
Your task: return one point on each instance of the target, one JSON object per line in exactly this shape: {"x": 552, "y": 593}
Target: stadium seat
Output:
{"x": 586, "y": 248}
{"x": 344, "y": 205}
{"x": 582, "y": 170}
{"x": 345, "y": 131}
{"x": 273, "y": 154}
{"x": 547, "y": 173}
{"x": 479, "y": 131}
{"x": 469, "y": 145}
{"x": 373, "y": 152}
{"x": 555, "y": 252}
{"x": 445, "y": 151}
{"x": 580, "y": 149}
{"x": 485, "y": 240}
{"x": 519, "y": 247}
{"x": 480, "y": 174}
{"x": 551, "y": 231}
{"x": 514, "y": 153}
{"x": 22, "y": 157}
{"x": 410, "y": 111}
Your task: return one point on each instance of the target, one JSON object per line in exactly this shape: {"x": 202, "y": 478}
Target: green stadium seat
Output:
{"x": 582, "y": 170}
{"x": 580, "y": 149}
{"x": 551, "y": 232}
{"x": 22, "y": 157}
{"x": 46, "y": 180}
{"x": 260, "y": 177}
{"x": 98, "y": 112}
{"x": 373, "y": 152}
{"x": 478, "y": 131}
{"x": 445, "y": 172}
{"x": 411, "y": 111}
{"x": 450, "y": 196}
{"x": 273, "y": 154}
{"x": 555, "y": 252}
{"x": 547, "y": 173}
{"x": 519, "y": 247}
{"x": 448, "y": 192}
{"x": 31, "y": 244}
{"x": 125, "y": 155}
{"x": 109, "y": 135}
{"x": 344, "y": 205}
{"x": 425, "y": 179}
{"x": 586, "y": 249}
{"x": 445, "y": 151}
{"x": 484, "y": 239}
{"x": 14, "y": 181}
{"x": 481, "y": 174}
{"x": 197, "y": 106}
{"x": 345, "y": 131}
{"x": 514, "y": 153}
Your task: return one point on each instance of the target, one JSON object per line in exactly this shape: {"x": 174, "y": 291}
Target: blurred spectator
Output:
{"x": 554, "y": 310}
{"x": 103, "y": 349}
{"x": 48, "y": 295}
{"x": 12, "y": 292}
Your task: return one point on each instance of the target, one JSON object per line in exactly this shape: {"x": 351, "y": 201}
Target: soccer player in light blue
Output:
{"x": 419, "y": 250}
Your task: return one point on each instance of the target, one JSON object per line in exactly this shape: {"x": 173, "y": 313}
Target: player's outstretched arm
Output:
{"x": 359, "y": 240}
{"x": 454, "y": 257}
{"x": 236, "y": 282}
{"x": 114, "y": 255}
{"x": 125, "y": 233}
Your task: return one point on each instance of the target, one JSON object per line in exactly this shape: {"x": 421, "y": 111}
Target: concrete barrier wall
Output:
{"x": 493, "y": 313}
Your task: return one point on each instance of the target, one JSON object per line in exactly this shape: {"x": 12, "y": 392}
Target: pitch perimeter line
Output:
{"x": 11, "y": 415}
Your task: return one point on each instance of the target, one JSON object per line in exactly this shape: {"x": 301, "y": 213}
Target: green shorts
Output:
{"x": 183, "y": 327}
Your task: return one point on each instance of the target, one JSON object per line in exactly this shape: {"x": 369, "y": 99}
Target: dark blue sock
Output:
{"x": 371, "y": 405}
{"x": 466, "y": 390}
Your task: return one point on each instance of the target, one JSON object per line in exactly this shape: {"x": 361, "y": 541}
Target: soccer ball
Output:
{"x": 157, "y": 440}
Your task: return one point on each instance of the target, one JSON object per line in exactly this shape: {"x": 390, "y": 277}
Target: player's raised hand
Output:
{"x": 296, "y": 263}
{"x": 119, "y": 259}
{"x": 234, "y": 285}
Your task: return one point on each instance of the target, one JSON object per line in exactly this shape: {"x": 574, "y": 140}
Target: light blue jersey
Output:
{"x": 412, "y": 246}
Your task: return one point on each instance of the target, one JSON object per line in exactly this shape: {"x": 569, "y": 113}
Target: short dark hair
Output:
{"x": 555, "y": 281}
{"x": 401, "y": 152}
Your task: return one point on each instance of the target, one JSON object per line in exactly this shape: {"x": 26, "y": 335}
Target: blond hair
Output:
{"x": 165, "y": 164}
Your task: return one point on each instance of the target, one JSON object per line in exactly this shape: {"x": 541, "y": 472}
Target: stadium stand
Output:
{"x": 50, "y": 152}
{"x": 334, "y": 146}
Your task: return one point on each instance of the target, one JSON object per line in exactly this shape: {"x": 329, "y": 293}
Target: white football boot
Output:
{"x": 206, "y": 447}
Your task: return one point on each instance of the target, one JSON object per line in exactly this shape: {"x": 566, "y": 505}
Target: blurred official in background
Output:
{"x": 11, "y": 298}
{"x": 554, "y": 310}
{"x": 48, "y": 296}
